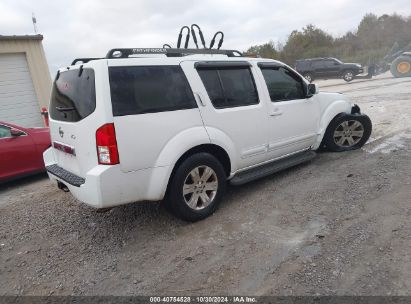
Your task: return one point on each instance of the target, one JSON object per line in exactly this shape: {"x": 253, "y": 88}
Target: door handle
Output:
{"x": 276, "y": 112}
{"x": 198, "y": 97}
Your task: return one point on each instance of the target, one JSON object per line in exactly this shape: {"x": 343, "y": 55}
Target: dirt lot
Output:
{"x": 338, "y": 225}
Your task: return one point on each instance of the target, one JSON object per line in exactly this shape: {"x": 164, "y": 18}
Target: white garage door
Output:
{"x": 18, "y": 101}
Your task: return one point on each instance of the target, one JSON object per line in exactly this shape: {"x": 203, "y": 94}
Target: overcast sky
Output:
{"x": 89, "y": 28}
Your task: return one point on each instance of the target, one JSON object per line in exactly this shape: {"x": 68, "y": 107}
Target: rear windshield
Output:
{"x": 73, "y": 97}
{"x": 149, "y": 89}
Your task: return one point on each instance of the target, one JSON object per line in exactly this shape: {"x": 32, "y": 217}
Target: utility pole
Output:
{"x": 33, "y": 18}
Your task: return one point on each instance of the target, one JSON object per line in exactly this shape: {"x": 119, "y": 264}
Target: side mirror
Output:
{"x": 16, "y": 133}
{"x": 312, "y": 89}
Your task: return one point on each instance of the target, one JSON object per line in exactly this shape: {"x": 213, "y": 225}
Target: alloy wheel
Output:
{"x": 200, "y": 187}
{"x": 348, "y": 133}
{"x": 348, "y": 76}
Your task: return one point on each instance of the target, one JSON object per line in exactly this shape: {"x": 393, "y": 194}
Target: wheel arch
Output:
{"x": 348, "y": 69}
{"x": 218, "y": 152}
{"x": 334, "y": 110}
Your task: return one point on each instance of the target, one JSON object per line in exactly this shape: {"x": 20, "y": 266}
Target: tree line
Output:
{"x": 369, "y": 43}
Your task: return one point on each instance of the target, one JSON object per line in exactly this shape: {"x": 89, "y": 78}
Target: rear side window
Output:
{"x": 73, "y": 96}
{"x": 229, "y": 87}
{"x": 283, "y": 84}
{"x": 149, "y": 89}
{"x": 318, "y": 64}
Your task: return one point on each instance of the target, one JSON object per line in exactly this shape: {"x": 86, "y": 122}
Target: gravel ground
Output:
{"x": 338, "y": 225}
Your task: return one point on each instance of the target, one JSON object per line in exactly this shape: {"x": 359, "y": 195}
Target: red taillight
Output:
{"x": 106, "y": 142}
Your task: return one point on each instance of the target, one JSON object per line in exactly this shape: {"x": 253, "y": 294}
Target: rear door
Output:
{"x": 231, "y": 107}
{"x": 319, "y": 68}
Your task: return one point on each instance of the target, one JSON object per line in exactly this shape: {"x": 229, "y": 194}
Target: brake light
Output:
{"x": 106, "y": 143}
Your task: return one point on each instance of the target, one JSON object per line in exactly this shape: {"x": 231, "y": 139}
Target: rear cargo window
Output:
{"x": 149, "y": 89}
{"x": 73, "y": 96}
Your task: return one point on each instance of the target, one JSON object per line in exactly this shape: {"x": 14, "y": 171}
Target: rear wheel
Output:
{"x": 347, "y": 132}
{"x": 309, "y": 77}
{"x": 197, "y": 187}
{"x": 401, "y": 67}
{"x": 348, "y": 75}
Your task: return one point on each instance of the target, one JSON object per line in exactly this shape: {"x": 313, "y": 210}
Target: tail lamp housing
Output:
{"x": 106, "y": 143}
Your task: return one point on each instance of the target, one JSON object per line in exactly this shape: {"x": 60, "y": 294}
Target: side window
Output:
{"x": 317, "y": 64}
{"x": 229, "y": 87}
{"x": 329, "y": 63}
{"x": 4, "y": 132}
{"x": 149, "y": 89}
{"x": 283, "y": 84}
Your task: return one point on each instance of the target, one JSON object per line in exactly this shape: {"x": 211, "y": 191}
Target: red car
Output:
{"x": 21, "y": 150}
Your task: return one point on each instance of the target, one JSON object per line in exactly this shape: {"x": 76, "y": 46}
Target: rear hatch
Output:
{"x": 72, "y": 127}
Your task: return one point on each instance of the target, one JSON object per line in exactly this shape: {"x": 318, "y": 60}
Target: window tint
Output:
{"x": 283, "y": 84}
{"x": 229, "y": 87}
{"x": 148, "y": 89}
{"x": 4, "y": 132}
{"x": 73, "y": 96}
{"x": 330, "y": 63}
{"x": 318, "y": 64}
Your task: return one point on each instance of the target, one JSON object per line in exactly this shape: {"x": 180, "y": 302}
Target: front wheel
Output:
{"x": 348, "y": 75}
{"x": 197, "y": 187}
{"x": 347, "y": 132}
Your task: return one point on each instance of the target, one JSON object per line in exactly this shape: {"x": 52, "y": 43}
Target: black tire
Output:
{"x": 177, "y": 201}
{"x": 334, "y": 142}
{"x": 309, "y": 77}
{"x": 398, "y": 65}
{"x": 348, "y": 75}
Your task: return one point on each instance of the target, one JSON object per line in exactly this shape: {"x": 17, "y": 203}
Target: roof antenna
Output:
{"x": 34, "y": 20}
{"x": 220, "y": 42}
{"x": 195, "y": 37}
{"x": 180, "y": 36}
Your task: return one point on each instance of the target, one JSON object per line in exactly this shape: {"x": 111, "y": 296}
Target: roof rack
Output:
{"x": 169, "y": 52}
{"x": 83, "y": 60}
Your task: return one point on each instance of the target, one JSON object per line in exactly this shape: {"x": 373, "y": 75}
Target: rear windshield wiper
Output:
{"x": 61, "y": 109}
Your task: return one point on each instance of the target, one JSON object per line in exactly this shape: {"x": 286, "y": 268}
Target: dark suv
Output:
{"x": 327, "y": 68}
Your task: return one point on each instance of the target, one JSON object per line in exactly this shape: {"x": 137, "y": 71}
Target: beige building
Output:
{"x": 25, "y": 81}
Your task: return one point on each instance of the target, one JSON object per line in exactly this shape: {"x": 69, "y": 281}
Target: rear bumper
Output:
{"x": 108, "y": 186}
{"x": 65, "y": 175}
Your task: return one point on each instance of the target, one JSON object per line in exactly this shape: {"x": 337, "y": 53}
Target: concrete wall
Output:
{"x": 32, "y": 47}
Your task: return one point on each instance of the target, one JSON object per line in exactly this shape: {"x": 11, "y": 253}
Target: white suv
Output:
{"x": 179, "y": 126}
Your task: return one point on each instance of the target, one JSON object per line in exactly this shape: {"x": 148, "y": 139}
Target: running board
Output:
{"x": 273, "y": 167}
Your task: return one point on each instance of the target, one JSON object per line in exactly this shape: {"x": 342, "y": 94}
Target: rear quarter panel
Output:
{"x": 157, "y": 139}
